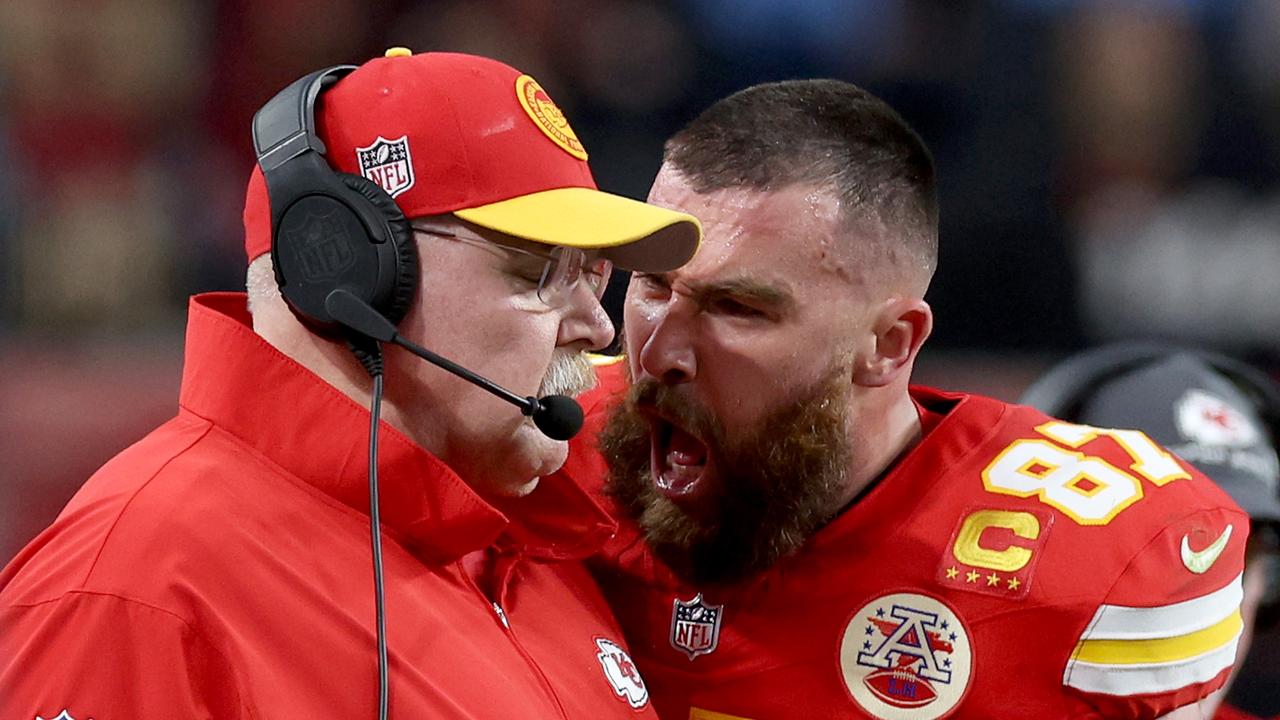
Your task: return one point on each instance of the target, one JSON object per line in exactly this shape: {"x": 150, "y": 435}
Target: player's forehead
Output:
{"x": 786, "y": 235}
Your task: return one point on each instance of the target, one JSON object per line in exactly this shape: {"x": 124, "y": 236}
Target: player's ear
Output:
{"x": 898, "y": 329}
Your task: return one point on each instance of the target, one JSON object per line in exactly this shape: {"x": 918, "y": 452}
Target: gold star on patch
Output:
{"x": 952, "y": 572}
{"x": 993, "y": 579}
{"x": 1014, "y": 583}
{"x": 972, "y": 576}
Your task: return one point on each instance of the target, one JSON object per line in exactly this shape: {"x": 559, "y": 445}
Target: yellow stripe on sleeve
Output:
{"x": 1160, "y": 650}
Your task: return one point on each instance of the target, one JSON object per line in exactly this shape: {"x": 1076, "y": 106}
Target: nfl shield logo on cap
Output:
{"x": 695, "y": 626}
{"x": 387, "y": 163}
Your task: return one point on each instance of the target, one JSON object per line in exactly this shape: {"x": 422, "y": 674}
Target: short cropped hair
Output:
{"x": 827, "y": 133}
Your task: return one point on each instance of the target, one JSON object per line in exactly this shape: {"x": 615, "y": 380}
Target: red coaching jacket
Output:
{"x": 1008, "y": 566}
{"x": 221, "y": 568}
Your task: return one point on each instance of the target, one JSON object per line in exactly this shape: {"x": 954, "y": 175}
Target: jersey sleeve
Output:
{"x": 92, "y": 655}
{"x": 1165, "y": 635}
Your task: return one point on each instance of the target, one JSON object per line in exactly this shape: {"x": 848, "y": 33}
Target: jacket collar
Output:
{"x": 315, "y": 433}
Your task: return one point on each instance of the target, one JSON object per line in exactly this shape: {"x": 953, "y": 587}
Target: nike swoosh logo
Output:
{"x": 1200, "y": 562}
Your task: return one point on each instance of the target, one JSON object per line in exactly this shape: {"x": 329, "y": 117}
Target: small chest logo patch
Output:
{"x": 695, "y": 626}
{"x": 621, "y": 673}
{"x": 64, "y": 715}
{"x": 906, "y": 657}
{"x": 388, "y": 163}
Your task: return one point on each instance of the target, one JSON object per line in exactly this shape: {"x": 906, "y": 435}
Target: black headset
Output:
{"x": 329, "y": 230}
{"x": 1064, "y": 389}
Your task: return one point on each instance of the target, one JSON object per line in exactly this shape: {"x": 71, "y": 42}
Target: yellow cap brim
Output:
{"x": 631, "y": 234}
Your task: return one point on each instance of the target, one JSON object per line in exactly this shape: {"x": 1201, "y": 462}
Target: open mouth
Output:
{"x": 678, "y": 460}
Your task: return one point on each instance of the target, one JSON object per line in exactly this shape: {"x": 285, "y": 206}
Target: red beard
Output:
{"x": 773, "y": 486}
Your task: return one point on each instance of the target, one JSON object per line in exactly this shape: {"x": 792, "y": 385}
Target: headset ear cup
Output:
{"x": 394, "y": 301}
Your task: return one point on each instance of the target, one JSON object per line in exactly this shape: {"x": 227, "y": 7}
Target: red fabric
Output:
{"x": 929, "y": 419}
{"x": 779, "y": 646}
{"x": 471, "y": 141}
{"x": 220, "y": 568}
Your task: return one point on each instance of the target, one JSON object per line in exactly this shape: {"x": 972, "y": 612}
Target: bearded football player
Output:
{"x": 812, "y": 536}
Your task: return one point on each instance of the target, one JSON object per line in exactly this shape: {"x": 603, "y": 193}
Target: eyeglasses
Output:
{"x": 562, "y": 270}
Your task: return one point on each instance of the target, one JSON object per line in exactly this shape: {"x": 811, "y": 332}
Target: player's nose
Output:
{"x": 668, "y": 353}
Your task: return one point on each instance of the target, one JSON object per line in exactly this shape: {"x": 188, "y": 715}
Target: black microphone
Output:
{"x": 558, "y": 417}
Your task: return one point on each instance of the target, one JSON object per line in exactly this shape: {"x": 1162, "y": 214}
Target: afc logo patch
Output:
{"x": 388, "y": 163}
{"x": 906, "y": 657}
{"x": 695, "y": 626}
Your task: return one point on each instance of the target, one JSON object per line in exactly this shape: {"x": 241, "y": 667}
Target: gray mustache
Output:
{"x": 570, "y": 373}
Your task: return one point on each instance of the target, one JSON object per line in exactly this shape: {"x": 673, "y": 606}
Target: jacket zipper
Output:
{"x": 501, "y": 615}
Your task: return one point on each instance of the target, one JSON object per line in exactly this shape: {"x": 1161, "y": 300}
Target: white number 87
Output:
{"x": 1087, "y": 488}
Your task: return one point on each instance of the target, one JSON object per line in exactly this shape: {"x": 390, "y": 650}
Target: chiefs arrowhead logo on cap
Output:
{"x": 1209, "y": 419}
{"x": 549, "y": 119}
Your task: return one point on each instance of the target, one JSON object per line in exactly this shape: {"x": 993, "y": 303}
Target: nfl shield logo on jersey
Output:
{"x": 695, "y": 626}
{"x": 906, "y": 657}
{"x": 388, "y": 163}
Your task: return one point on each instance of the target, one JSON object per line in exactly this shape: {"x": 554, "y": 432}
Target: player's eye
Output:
{"x": 652, "y": 285}
{"x": 734, "y": 308}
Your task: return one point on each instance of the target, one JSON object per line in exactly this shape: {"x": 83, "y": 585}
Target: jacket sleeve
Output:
{"x": 96, "y": 656}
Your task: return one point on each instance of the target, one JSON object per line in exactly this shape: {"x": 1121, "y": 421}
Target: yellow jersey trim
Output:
{"x": 1162, "y": 650}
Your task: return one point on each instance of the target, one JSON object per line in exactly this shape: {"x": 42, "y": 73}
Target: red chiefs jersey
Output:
{"x": 1009, "y": 566}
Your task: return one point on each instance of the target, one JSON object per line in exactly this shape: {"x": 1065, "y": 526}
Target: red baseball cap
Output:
{"x": 454, "y": 133}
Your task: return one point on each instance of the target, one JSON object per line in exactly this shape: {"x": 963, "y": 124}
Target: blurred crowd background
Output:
{"x": 1109, "y": 169}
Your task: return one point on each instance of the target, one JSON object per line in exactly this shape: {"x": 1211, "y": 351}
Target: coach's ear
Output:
{"x": 899, "y": 329}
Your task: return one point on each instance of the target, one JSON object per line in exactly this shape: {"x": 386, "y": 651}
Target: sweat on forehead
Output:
{"x": 805, "y": 221}
{"x": 782, "y": 206}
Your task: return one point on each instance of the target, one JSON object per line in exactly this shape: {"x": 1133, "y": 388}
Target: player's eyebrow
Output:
{"x": 777, "y": 298}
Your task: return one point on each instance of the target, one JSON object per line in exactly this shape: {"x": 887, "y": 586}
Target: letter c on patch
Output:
{"x": 969, "y": 550}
